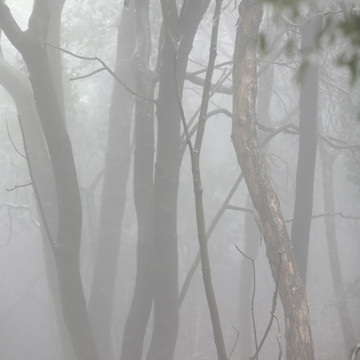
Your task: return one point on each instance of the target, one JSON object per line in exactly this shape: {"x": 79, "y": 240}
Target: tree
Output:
{"x": 145, "y": 79}
{"x": 113, "y": 199}
{"x": 308, "y": 114}
{"x": 66, "y": 244}
{"x": 166, "y": 180}
{"x": 268, "y": 215}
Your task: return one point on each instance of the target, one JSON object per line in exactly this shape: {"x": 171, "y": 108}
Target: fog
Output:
{"x": 180, "y": 180}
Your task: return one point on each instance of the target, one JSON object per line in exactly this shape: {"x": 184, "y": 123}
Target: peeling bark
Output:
{"x": 269, "y": 218}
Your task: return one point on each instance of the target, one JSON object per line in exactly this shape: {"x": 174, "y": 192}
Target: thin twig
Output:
{"x": 225, "y": 63}
{"x": 37, "y": 193}
{"x": 330, "y": 214}
{"x": 355, "y": 352}
{"x": 236, "y": 341}
{"x": 15, "y": 187}
{"x": 87, "y": 75}
{"x": 273, "y": 308}
{"x": 278, "y": 337}
{"x": 252, "y": 297}
{"x": 106, "y": 68}
{"x": 240, "y": 208}
{"x": 209, "y": 232}
{"x": 12, "y": 142}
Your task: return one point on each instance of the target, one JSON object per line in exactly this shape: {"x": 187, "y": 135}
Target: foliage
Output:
{"x": 341, "y": 24}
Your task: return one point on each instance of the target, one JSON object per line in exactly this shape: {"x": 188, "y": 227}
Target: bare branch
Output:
{"x": 199, "y": 81}
{"x": 12, "y": 142}
{"x": 236, "y": 341}
{"x": 355, "y": 352}
{"x": 239, "y": 208}
{"x": 330, "y": 214}
{"x": 252, "y": 298}
{"x": 273, "y": 307}
{"x": 278, "y": 337}
{"x": 225, "y": 63}
{"x": 106, "y": 68}
{"x": 87, "y": 75}
{"x": 15, "y": 187}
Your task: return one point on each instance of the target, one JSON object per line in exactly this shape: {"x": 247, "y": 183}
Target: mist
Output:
{"x": 180, "y": 180}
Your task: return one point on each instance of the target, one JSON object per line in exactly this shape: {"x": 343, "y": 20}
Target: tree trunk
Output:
{"x": 44, "y": 185}
{"x": 300, "y": 230}
{"x": 113, "y": 198}
{"x": 334, "y": 259}
{"x": 67, "y": 242}
{"x": 251, "y": 232}
{"x": 165, "y": 276}
{"x": 268, "y": 215}
{"x": 137, "y": 320}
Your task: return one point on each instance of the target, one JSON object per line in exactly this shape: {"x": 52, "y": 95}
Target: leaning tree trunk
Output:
{"x": 300, "y": 230}
{"x": 43, "y": 183}
{"x": 251, "y": 233}
{"x": 268, "y": 214}
{"x": 113, "y": 197}
{"x": 66, "y": 244}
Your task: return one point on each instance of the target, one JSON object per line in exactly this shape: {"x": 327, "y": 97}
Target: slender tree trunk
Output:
{"x": 113, "y": 198}
{"x": 55, "y": 58}
{"x": 268, "y": 214}
{"x": 199, "y": 206}
{"x": 165, "y": 276}
{"x": 300, "y": 230}
{"x": 251, "y": 248}
{"x": 43, "y": 178}
{"x": 140, "y": 309}
{"x": 55, "y": 61}
{"x": 334, "y": 259}
{"x": 67, "y": 242}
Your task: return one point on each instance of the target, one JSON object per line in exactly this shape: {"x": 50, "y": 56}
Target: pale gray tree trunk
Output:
{"x": 137, "y": 320}
{"x": 66, "y": 244}
{"x": 113, "y": 197}
{"x": 300, "y": 230}
{"x": 327, "y": 161}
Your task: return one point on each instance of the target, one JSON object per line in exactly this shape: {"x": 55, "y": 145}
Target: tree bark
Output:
{"x": 140, "y": 309}
{"x": 268, "y": 214}
{"x": 113, "y": 198}
{"x": 66, "y": 244}
{"x": 300, "y": 230}
{"x": 333, "y": 253}
{"x": 199, "y": 206}
{"x": 165, "y": 276}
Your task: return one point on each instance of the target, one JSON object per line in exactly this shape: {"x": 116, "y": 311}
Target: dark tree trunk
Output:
{"x": 165, "y": 277}
{"x": 300, "y": 230}
{"x": 268, "y": 214}
{"x": 66, "y": 244}
{"x": 140, "y": 309}
{"x": 199, "y": 206}
{"x": 113, "y": 196}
